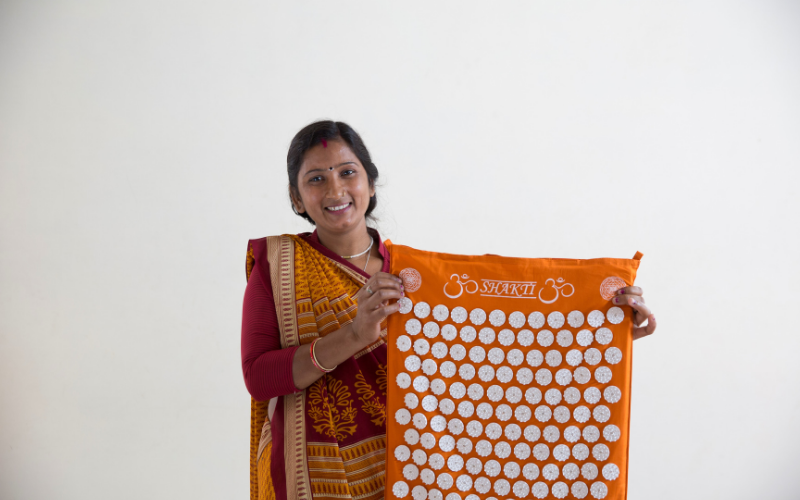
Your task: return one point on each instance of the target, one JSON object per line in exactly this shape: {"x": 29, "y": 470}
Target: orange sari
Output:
{"x": 329, "y": 440}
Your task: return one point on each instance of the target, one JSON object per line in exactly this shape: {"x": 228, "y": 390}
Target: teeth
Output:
{"x": 336, "y": 209}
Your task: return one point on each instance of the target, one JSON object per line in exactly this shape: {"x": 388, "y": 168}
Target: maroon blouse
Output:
{"x": 268, "y": 368}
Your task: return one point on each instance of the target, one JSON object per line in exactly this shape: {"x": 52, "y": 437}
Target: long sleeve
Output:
{"x": 267, "y": 368}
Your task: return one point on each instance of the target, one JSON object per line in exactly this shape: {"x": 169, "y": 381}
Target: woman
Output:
{"x": 313, "y": 353}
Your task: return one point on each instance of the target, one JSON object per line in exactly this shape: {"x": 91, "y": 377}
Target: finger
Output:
{"x": 381, "y": 285}
{"x": 630, "y": 290}
{"x": 644, "y": 331}
{"x": 640, "y": 315}
{"x": 380, "y": 296}
{"x": 382, "y": 311}
{"x": 620, "y": 301}
{"x": 633, "y": 301}
{"x": 386, "y": 283}
{"x": 375, "y": 284}
{"x": 639, "y": 307}
{"x": 625, "y": 300}
{"x": 388, "y": 276}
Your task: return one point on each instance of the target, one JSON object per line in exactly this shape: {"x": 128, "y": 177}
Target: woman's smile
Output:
{"x": 339, "y": 208}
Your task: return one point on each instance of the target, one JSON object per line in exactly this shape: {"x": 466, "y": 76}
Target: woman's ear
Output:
{"x": 296, "y": 200}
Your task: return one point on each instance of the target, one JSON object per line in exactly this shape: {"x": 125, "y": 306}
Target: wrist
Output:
{"x": 357, "y": 340}
{"x": 325, "y": 365}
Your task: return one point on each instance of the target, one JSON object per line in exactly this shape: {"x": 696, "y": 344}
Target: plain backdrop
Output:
{"x": 143, "y": 143}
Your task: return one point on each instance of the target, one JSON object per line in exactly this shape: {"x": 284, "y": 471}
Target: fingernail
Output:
{"x": 616, "y": 300}
{"x": 621, "y": 291}
{"x": 402, "y": 287}
{"x": 634, "y": 302}
{"x": 653, "y": 316}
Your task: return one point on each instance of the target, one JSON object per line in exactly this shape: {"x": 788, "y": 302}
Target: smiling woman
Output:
{"x": 313, "y": 353}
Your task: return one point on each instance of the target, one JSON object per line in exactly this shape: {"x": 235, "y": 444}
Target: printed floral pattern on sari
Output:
{"x": 331, "y": 408}
{"x": 371, "y": 405}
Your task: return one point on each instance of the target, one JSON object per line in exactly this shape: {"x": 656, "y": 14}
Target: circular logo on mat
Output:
{"x": 610, "y": 285}
{"x": 411, "y": 279}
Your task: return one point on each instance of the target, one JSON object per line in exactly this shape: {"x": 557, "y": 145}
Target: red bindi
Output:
{"x": 324, "y": 143}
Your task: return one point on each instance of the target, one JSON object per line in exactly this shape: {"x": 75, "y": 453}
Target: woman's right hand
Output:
{"x": 374, "y": 305}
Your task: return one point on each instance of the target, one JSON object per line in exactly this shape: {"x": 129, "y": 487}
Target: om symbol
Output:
{"x": 558, "y": 290}
{"x": 466, "y": 285}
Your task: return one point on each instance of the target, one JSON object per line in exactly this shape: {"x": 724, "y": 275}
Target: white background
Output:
{"x": 142, "y": 144}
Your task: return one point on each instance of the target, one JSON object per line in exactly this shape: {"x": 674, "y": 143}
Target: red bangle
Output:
{"x": 314, "y": 359}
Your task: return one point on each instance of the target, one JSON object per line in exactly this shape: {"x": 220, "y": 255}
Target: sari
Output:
{"x": 328, "y": 440}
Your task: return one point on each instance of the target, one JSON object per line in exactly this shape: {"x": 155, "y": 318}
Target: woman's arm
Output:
{"x": 267, "y": 368}
{"x": 270, "y": 371}
{"x": 334, "y": 348}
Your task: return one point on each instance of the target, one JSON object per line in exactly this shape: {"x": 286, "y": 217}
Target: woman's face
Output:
{"x": 333, "y": 188}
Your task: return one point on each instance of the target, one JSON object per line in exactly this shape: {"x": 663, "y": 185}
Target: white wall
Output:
{"x": 142, "y": 143}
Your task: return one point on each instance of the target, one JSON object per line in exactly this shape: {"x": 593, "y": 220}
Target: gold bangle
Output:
{"x": 314, "y": 360}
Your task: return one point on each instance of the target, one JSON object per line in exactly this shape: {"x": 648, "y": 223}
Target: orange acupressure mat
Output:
{"x": 508, "y": 378}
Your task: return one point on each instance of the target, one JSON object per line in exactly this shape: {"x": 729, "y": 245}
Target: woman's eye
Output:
{"x": 315, "y": 179}
{"x": 348, "y": 172}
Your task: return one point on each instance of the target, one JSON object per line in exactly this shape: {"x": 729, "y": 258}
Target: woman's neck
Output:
{"x": 350, "y": 243}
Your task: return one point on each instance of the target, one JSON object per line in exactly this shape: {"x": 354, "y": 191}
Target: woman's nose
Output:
{"x": 335, "y": 188}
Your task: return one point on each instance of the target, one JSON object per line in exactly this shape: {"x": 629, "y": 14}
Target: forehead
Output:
{"x": 320, "y": 157}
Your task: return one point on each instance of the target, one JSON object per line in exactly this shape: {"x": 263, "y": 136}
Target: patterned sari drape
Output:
{"x": 333, "y": 434}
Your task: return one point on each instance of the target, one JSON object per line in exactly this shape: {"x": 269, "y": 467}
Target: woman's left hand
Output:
{"x": 632, "y": 296}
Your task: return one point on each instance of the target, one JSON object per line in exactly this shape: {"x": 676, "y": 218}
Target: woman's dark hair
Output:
{"x": 328, "y": 130}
